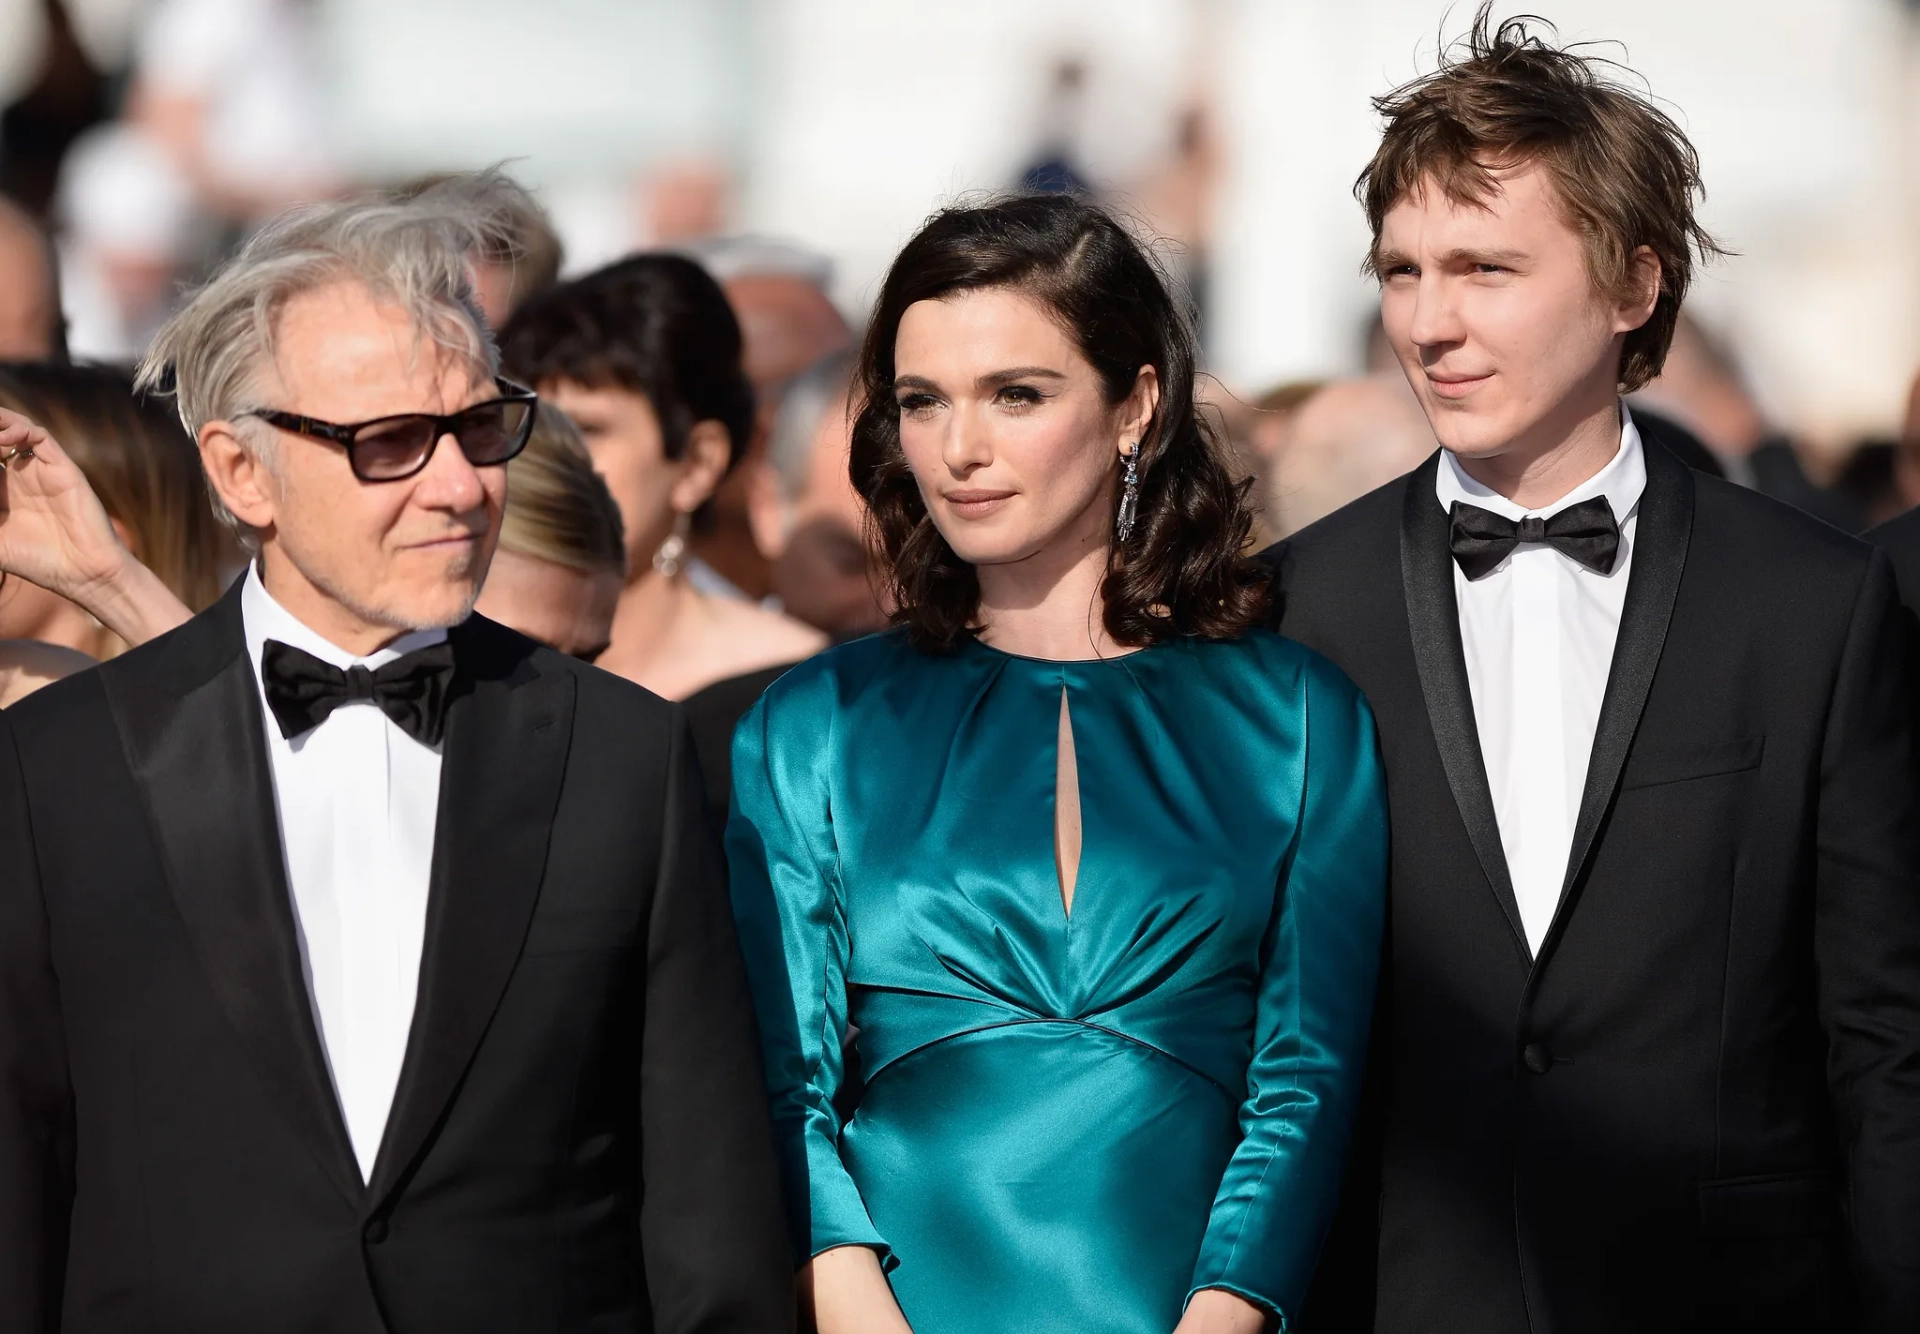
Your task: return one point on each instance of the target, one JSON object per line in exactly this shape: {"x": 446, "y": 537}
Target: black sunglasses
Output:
{"x": 390, "y": 449}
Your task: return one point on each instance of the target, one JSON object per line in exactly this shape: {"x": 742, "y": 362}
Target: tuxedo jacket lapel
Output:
{"x": 192, "y": 730}
{"x": 508, "y": 729}
{"x": 1433, "y": 617}
{"x": 1659, "y": 558}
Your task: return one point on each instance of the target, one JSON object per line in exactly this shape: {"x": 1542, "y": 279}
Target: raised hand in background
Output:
{"x": 55, "y": 533}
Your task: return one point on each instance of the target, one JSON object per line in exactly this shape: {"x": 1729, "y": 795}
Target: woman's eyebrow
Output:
{"x": 997, "y": 378}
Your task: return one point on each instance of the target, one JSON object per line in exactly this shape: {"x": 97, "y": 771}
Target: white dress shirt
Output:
{"x": 358, "y": 799}
{"x": 1538, "y": 634}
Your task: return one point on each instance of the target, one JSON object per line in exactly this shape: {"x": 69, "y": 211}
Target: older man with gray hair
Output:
{"x": 364, "y": 966}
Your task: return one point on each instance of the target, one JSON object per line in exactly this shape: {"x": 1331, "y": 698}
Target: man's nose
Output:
{"x": 449, "y": 482}
{"x": 1436, "y": 314}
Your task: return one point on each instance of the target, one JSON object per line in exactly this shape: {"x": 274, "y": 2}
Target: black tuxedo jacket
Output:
{"x": 579, "y": 1138}
{"x": 1899, "y": 537}
{"x": 1699, "y": 1108}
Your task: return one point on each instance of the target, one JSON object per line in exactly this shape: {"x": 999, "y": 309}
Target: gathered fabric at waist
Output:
{"x": 896, "y": 1024}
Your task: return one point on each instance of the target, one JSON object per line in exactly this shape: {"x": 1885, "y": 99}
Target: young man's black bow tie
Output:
{"x": 1587, "y": 533}
{"x": 412, "y": 690}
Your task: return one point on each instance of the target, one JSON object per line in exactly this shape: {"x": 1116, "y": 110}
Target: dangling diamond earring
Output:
{"x": 671, "y": 555}
{"x": 1129, "y": 495}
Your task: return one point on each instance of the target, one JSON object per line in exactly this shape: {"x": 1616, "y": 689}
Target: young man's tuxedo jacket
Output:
{"x": 579, "y": 1139}
{"x": 1899, "y": 537}
{"x": 1699, "y": 1107}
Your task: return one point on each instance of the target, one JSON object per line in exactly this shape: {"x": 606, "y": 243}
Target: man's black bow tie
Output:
{"x": 412, "y": 690}
{"x": 1587, "y": 533}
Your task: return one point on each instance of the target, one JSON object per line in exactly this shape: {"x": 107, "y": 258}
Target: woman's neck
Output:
{"x": 35, "y": 614}
{"x": 651, "y": 610}
{"x": 1049, "y": 605}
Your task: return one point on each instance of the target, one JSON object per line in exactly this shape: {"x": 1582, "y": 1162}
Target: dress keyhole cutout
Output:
{"x": 1066, "y": 810}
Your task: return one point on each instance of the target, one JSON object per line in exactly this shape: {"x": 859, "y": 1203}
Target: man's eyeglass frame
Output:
{"x": 347, "y": 435}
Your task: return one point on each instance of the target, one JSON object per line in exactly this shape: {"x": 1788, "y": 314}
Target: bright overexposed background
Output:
{"x": 1233, "y": 128}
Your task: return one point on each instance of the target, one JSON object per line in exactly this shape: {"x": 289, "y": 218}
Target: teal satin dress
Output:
{"x": 1065, "y": 1122}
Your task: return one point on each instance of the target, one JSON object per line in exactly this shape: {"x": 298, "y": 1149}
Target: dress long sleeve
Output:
{"x": 787, "y": 899}
{"x": 1315, "y": 1005}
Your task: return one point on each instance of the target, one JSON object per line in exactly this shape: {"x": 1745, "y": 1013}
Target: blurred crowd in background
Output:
{"x": 787, "y": 147}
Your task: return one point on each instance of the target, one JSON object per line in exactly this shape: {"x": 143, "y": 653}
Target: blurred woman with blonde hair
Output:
{"x": 562, "y": 560}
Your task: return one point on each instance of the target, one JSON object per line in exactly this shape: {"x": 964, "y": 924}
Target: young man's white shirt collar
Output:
{"x": 1538, "y": 634}
{"x": 358, "y": 801}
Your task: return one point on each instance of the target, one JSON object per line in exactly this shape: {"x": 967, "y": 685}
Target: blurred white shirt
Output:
{"x": 358, "y": 800}
{"x": 1538, "y": 633}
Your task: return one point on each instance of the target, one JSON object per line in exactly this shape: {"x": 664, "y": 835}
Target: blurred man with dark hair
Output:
{"x": 31, "y": 325}
{"x": 1648, "y": 1057}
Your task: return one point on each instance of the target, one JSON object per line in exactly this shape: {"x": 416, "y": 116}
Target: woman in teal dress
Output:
{"x": 1082, "y": 869}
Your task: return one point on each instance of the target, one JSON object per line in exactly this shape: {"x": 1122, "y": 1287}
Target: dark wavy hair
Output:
{"x": 1185, "y": 571}
{"x": 656, "y": 325}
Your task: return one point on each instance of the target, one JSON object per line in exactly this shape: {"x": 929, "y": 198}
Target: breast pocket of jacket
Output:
{"x": 1653, "y": 765}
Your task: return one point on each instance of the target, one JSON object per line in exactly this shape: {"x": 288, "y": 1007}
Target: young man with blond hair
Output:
{"x": 1648, "y": 1055}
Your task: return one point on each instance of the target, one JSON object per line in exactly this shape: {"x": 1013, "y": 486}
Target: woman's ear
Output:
{"x": 1138, "y": 410}
{"x": 709, "y": 449}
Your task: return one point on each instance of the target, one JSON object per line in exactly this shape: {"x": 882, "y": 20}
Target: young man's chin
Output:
{"x": 1479, "y": 432}
{"x": 1469, "y": 446}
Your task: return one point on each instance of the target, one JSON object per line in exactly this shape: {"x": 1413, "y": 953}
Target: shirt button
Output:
{"x": 375, "y": 1231}
{"x": 1536, "y": 1058}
